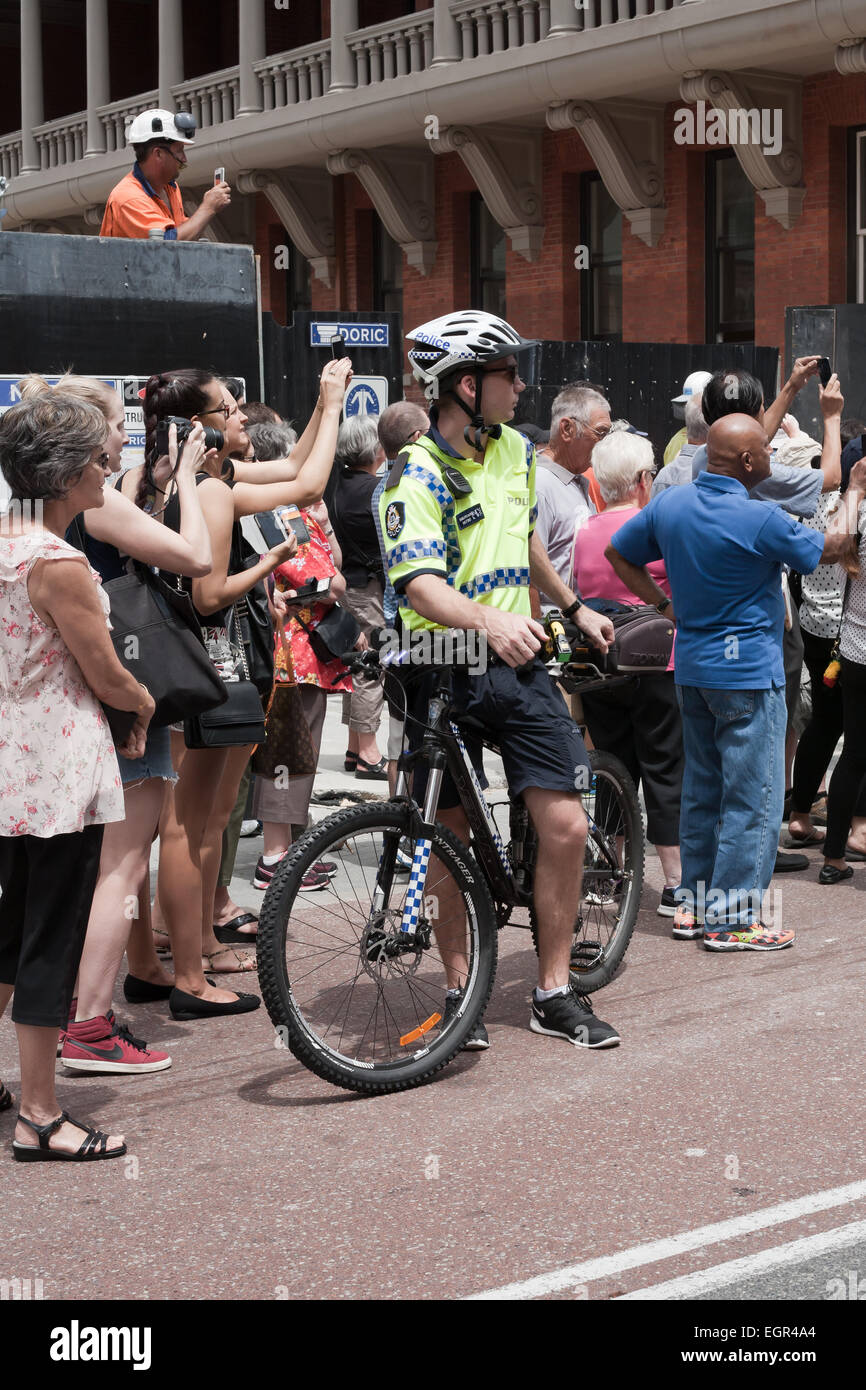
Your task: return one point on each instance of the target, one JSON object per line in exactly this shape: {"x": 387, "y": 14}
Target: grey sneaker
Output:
{"x": 477, "y": 1040}
{"x": 570, "y": 1016}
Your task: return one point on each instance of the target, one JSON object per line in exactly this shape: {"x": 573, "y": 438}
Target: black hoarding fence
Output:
{"x": 638, "y": 379}
{"x": 294, "y": 356}
{"x": 127, "y": 308}
{"x": 837, "y": 331}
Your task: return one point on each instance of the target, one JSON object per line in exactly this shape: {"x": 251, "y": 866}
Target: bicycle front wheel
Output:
{"x": 358, "y": 1000}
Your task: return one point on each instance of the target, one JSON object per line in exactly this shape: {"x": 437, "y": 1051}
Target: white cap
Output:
{"x": 159, "y": 125}
{"x": 692, "y": 386}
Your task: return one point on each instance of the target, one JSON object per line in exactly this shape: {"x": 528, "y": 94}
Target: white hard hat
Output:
{"x": 469, "y": 336}
{"x": 692, "y": 386}
{"x": 161, "y": 125}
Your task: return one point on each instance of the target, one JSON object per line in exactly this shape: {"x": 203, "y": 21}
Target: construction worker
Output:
{"x": 148, "y": 199}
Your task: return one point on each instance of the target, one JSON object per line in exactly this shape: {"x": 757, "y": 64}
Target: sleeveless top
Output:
{"x": 58, "y": 767}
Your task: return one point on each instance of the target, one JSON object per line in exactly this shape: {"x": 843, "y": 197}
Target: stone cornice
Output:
{"x": 384, "y": 176}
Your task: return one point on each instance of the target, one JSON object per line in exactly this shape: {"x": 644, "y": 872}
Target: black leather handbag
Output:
{"x": 334, "y": 635}
{"x": 254, "y": 619}
{"x": 157, "y": 637}
{"x": 239, "y": 721}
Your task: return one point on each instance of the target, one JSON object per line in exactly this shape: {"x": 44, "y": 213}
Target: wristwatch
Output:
{"x": 665, "y": 603}
{"x": 572, "y": 608}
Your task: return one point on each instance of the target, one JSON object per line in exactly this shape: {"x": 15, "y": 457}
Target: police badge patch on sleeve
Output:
{"x": 395, "y": 519}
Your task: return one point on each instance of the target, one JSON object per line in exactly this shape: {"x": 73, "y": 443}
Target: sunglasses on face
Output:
{"x": 511, "y": 372}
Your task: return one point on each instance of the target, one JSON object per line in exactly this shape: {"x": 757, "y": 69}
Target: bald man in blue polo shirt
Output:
{"x": 724, "y": 554}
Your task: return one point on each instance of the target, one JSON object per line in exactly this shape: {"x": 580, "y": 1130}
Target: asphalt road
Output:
{"x": 729, "y": 1126}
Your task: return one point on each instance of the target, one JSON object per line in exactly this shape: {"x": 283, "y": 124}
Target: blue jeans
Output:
{"x": 733, "y": 794}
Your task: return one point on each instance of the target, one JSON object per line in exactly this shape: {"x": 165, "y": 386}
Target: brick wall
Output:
{"x": 807, "y": 265}
{"x": 663, "y": 286}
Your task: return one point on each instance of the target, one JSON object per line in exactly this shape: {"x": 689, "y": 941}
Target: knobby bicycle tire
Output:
{"x": 318, "y": 1018}
{"x": 602, "y": 965}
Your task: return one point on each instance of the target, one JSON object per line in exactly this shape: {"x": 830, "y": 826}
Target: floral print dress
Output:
{"x": 58, "y": 767}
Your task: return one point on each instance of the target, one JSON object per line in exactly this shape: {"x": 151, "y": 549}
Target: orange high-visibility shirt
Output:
{"x": 133, "y": 208}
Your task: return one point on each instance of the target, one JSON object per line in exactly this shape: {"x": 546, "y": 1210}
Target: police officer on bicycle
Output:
{"x": 458, "y": 513}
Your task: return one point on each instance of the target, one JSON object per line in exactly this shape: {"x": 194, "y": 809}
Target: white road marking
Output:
{"x": 794, "y": 1252}
{"x": 666, "y": 1248}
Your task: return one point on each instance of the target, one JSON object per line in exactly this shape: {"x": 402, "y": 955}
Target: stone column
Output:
{"x": 344, "y": 20}
{"x": 446, "y": 34}
{"x": 565, "y": 18}
{"x": 170, "y": 51}
{"x": 32, "y": 103}
{"x": 98, "y": 83}
{"x": 251, "y": 47}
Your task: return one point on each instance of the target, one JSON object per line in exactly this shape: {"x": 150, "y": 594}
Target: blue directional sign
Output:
{"x": 368, "y": 395}
{"x": 356, "y": 334}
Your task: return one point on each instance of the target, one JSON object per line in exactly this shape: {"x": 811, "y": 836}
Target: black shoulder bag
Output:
{"x": 157, "y": 638}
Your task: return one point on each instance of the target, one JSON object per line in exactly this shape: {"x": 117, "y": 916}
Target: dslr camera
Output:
{"x": 213, "y": 439}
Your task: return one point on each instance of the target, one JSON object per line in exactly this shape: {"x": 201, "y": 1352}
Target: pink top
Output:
{"x": 594, "y": 577}
{"x": 58, "y": 767}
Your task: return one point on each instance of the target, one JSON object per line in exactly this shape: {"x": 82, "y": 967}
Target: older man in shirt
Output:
{"x": 724, "y": 554}
{"x": 579, "y": 419}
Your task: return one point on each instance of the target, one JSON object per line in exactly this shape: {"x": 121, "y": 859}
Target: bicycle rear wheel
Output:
{"x": 612, "y": 875}
{"x": 356, "y": 1000}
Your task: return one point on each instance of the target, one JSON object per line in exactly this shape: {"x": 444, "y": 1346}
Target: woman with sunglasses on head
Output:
{"x": 198, "y": 809}
{"x": 120, "y": 911}
{"x": 59, "y": 779}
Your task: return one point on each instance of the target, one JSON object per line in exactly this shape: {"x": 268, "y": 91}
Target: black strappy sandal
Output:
{"x": 95, "y": 1144}
{"x": 7, "y": 1100}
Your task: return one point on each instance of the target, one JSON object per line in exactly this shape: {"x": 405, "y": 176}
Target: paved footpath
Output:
{"x": 718, "y": 1152}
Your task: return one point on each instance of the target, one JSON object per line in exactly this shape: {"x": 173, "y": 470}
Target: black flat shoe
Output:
{"x": 186, "y": 1007}
{"x": 790, "y": 863}
{"x": 136, "y": 991}
{"x": 828, "y": 873}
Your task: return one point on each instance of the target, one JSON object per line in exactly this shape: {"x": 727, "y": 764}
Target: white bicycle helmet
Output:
{"x": 467, "y": 337}
{"x": 460, "y": 338}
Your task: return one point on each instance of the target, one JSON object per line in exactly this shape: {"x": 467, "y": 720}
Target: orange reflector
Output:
{"x": 419, "y": 1032}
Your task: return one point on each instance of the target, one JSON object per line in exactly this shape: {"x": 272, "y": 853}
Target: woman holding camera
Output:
{"x": 59, "y": 777}
{"x": 197, "y": 810}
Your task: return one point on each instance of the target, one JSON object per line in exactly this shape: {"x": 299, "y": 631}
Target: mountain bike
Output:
{"x": 355, "y": 975}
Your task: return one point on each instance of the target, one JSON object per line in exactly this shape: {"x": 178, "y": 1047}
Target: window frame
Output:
{"x": 588, "y": 293}
{"x": 714, "y": 330}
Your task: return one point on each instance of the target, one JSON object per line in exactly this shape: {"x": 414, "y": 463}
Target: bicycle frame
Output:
{"x": 442, "y": 748}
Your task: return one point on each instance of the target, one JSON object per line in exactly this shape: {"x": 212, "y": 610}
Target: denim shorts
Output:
{"x": 156, "y": 761}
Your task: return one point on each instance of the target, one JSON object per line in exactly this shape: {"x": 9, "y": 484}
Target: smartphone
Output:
{"x": 825, "y": 371}
{"x": 276, "y": 526}
{"x": 338, "y": 347}
{"x": 316, "y": 589}
{"x": 219, "y": 175}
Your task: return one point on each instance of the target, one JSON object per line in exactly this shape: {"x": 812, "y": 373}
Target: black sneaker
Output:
{"x": 667, "y": 903}
{"x": 570, "y": 1016}
{"x": 477, "y": 1041}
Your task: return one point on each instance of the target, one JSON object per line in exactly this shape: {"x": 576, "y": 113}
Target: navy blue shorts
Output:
{"x": 526, "y": 718}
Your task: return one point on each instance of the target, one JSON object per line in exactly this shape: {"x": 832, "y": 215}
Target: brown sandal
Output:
{"x": 245, "y": 963}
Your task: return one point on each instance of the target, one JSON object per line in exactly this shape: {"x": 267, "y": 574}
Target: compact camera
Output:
{"x": 213, "y": 439}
